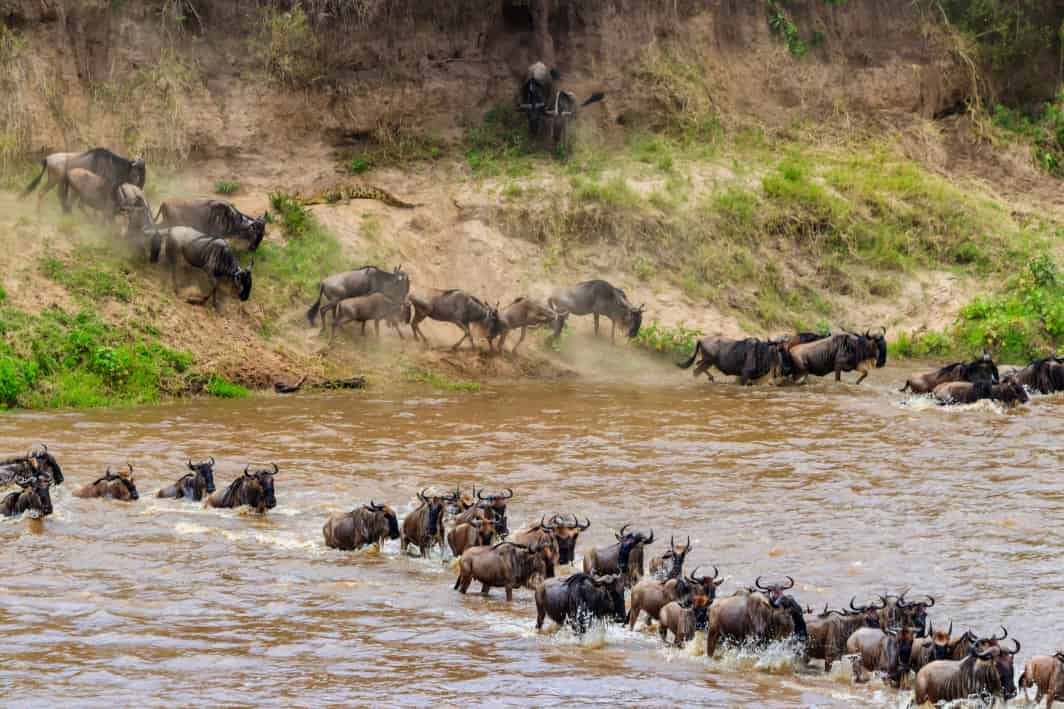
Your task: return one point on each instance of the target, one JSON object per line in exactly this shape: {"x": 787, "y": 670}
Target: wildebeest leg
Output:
{"x": 484, "y": 588}
{"x": 663, "y": 631}
{"x": 838, "y": 375}
{"x": 613, "y": 330}
{"x": 711, "y": 641}
{"x": 465, "y": 329}
{"x": 864, "y": 373}
{"x": 509, "y": 592}
{"x": 377, "y": 328}
{"x": 595, "y": 316}
{"x": 519, "y": 340}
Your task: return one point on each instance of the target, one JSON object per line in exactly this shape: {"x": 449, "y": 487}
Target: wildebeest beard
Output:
{"x": 435, "y": 518}
{"x": 788, "y": 604}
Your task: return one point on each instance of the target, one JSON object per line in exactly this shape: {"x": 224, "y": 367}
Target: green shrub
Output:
{"x": 359, "y": 164}
{"x": 224, "y": 389}
{"x": 417, "y": 375}
{"x": 500, "y": 145}
{"x": 226, "y": 186}
{"x": 89, "y": 281}
{"x": 672, "y": 341}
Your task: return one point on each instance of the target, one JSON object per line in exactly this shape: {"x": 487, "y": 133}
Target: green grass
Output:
{"x": 226, "y": 186}
{"x": 84, "y": 276}
{"x": 417, "y": 375}
{"x": 666, "y": 340}
{"x": 500, "y": 145}
{"x": 223, "y": 389}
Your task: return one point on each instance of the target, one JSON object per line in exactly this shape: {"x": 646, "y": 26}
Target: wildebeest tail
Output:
{"x": 686, "y": 364}
{"x": 36, "y": 180}
{"x": 312, "y": 311}
{"x": 906, "y": 387}
{"x": 594, "y": 98}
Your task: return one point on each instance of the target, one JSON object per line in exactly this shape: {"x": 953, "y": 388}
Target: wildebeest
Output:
{"x": 477, "y": 532}
{"x": 115, "y": 169}
{"x": 625, "y": 557}
{"x": 563, "y": 109}
{"x": 799, "y": 338}
{"x": 684, "y": 617}
{"x": 423, "y": 527}
{"x": 1008, "y": 392}
{"x": 935, "y": 645}
{"x": 599, "y": 298}
{"x": 112, "y": 486}
{"x": 651, "y": 595}
{"x": 535, "y": 93}
{"x": 194, "y": 485}
{"x": 210, "y": 254}
{"x": 670, "y": 564}
{"x": 579, "y": 598}
{"x": 504, "y": 565}
{"x": 527, "y": 313}
{"x": 364, "y": 308}
{"x": 883, "y": 650}
{"x": 362, "y": 281}
{"x": 752, "y": 360}
{"x": 949, "y": 680}
{"x": 1046, "y": 674}
{"x": 1044, "y": 376}
{"x": 458, "y": 308}
{"x": 34, "y": 496}
{"x": 758, "y": 615}
{"x": 38, "y": 461}
{"x": 979, "y": 370}
{"x": 829, "y": 631}
{"x": 368, "y": 524}
{"x": 561, "y": 532}
{"x": 213, "y": 217}
{"x": 131, "y": 203}
{"x": 251, "y": 489}
{"x": 89, "y": 190}
{"x": 843, "y": 352}
{"x": 897, "y": 611}
{"x": 497, "y": 504}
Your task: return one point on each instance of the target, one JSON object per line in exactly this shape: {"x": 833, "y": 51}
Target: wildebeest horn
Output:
{"x": 620, "y": 534}
{"x": 931, "y": 601}
{"x": 672, "y": 542}
{"x": 784, "y": 588}
{"x": 585, "y": 525}
{"x": 757, "y": 582}
{"x": 479, "y": 493}
{"x": 275, "y": 468}
{"x": 421, "y": 494}
{"x": 190, "y": 465}
{"x": 949, "y": 633}
{"x": 130, "y": 469}
{"x": 687, "y": 547}
{"x": 1059, "y": 655}
{"x": 211, "y": 458}
{"x": 109, "y": 473}
{"x": 246, "y": 468}
{"x": 649, "y": 540}
{"x": 855, "y": 608}
{"x": 986, "y": 655}
{"x": 1004, "y": 634}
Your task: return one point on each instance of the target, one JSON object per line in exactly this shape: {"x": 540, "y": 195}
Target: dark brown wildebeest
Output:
{"x": 89, "y": 190}
{"x": 423, "y": 527}
{"x": 99, "y": 161}
{"x": 368, "y": 524}
{"x": 527, "y": 313}
{"x": 363, "y": 281}
{"x": 112, "y": 486}
{"x": 651, "y": 595}
{"x": 1044, "y": 376}
{"x": 883, "y": 650}
{"x": 684, "y": 617}
{"x": 670, "y": 564}
{"x": 979, "y": 370}
{"x": 843, "y": 352}
{"x": 1046, "y": 674}
{"x": 541, "y": 534}
{"x": 940, "y": 645}
{"x": 458, "y": 308}
{"x": 560, "y": 531}
{"x": 497, "y": 504}
{"x": 36, "y": 462}
{"x": 504, "y": 565}
{"x": 949, "y": 680}
{"x": 477, "y": 532}
{"x": 133, "y": 205}
{"x": 829, "y": 631}
{"x": 210, "y": 254}
{"x": 561, "y": 111}
{"x": 1008, "y": 392}
{"x": 34, "y": 496}
{"x": 753, "y": 361}
{"x": 194, "y": 485}
{"x": 599, "y": 298}
{"x": 213, "y": 217}
{"x": 625, "y": 557}
{"x": 897, "y": 611}
{"x": 535, "y": 94}
{"x": 373, "y": 307}
{"x": 759, "y": 616}
{"x": 580, "y": 598}
{"x": 252, "y": 489}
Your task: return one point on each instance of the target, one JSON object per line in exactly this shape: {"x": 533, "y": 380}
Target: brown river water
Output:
{"x": 849, "y": 490}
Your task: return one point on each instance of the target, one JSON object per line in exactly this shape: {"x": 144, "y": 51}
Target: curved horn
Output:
{"x": 651, "y": 539}
{"x": 931, "y": 601}
{"x": 785, "y": 588}
{"x": 862, "y": 609}
{"x": 882, "y": 603}
{"x": 275, "y": 468}
{"x": 949, "y": 633}
{"x": 672, "y": 542}
{"x": 130, "y": 469}
{"x": 1004, "y": 634}
{"x": 1017, "y": 650}
{"x": 479, "y": 493}
{"x": 421, "y": 494}
{"x": 620, "y": 534}
{"x": 246, "y": 468}
{"x": 687, "y": 547}
{"x": 585, "y": 525}
{"x": 212, "y": 459}
{"x": 757, "y": 582}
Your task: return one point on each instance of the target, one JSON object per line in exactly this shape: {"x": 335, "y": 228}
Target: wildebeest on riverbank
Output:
{"x": 213, "y": 217}
{"x": 599, "y": 298}
{"x": 362, "y": 281}
{"x": 458, "y": 308}
{"x": 112, "y": 168}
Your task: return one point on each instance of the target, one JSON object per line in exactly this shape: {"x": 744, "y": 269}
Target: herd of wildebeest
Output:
{"x": 891, "y": 637}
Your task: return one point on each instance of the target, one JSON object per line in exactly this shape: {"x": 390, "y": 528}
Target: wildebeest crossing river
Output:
{"x": 162, "y": 602}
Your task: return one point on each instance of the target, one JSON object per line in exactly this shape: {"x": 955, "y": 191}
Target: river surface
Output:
{"x": 847, "y": 489}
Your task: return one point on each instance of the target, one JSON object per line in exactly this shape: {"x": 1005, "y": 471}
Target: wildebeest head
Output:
{"x": 258, "y": 488}
{"x": 708, "y": 584}
{"x": 497, "y": 503}
{"x": 794, "y": 610}
{"x": 137, "y": 172}
{"x": 1010, "y": 392}
{"x": 254, "y": 230}
{"x": 613, "y": 584}
{"x": 36, "y": 493}
{"x": 914, "y": 614}
{"x": 774, "y": 592}
{"x": 940, "y": 642}
{"x": 676, "y": 553}
{"x": 389, "y": 517}
{"x": 435, "y": 505}
{"x": 566, "y": 530}
{"x": 904, "y": 638}
{"x": 204, "y": 471}
{"x": 396, "y": 284}
{"x": 634, "y": 320}
{"x": 879, "y": 341}
{"x": 46, "y": 464}
{"x": 627, "y": 541}
{"x": 870, "y": 612}
{"x": 783, "y": 362}
{"x": 242, "y": 280}
{"x": 125, "y": 480}
{"x": 1004, "y": 660}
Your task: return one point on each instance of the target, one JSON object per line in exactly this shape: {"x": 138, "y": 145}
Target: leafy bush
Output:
{"x": 226, "y": 186}
{"x": 224, "y": 389}
{"x": 673, "y": 341}
{"x": 1042, "y": 127}
{"x": 295, "y": 219}
{"x": 359, "y": 164}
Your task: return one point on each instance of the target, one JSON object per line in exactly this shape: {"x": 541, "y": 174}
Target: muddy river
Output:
{"x": 164, "y": 603}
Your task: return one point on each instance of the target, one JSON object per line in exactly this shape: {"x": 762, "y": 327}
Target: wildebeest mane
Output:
{"x": 113, "y": 168}
{"x": 229, "y": 497}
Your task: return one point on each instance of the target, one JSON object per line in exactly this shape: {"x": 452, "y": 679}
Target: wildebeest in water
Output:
{"x": 112, "y": 486}
{"x": 194, "y": 485}
{"x": 252, "y": 489}
{"x": 36, "y": 462}
{"x": 752, "y": 360}
{"x": 368, "y": 524}
{"x": 34, "y": 496}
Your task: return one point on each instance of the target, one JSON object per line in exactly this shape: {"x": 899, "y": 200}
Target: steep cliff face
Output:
{"x": 98, "y": 70}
